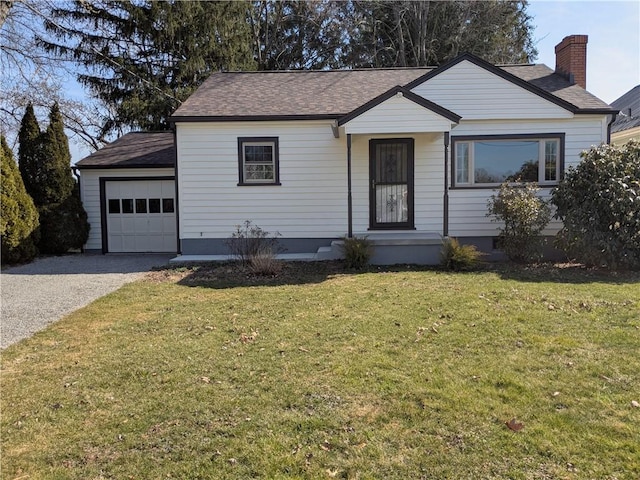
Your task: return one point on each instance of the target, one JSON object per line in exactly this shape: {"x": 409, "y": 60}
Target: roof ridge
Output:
{"x": 335, "y": 70}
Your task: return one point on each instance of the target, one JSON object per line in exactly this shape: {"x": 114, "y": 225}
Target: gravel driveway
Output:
{"x": 44, "y": 291}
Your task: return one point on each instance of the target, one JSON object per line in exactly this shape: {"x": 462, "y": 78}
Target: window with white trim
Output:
{"x": 492, "y": 160}
{"x": 258, "y": 161}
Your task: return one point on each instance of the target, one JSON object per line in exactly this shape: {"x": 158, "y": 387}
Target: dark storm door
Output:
{"x": 391, "y": 183}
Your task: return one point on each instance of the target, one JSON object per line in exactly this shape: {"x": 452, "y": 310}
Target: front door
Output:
{"x": 391, "y": 183}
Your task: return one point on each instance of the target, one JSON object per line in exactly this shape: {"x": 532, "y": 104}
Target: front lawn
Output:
{"x": 320, "y": 373}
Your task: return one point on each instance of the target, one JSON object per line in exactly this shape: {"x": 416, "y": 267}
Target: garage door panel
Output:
{"x": 140, "y": 224}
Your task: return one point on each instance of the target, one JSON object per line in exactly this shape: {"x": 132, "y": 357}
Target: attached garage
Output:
{"x": 128, "y": 190}
{"x": 140, "y": 215}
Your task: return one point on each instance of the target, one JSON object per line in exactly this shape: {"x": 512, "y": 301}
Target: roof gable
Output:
{"x": 478, "y": 92}
{"x": 402, "y": 92}
{"x": 398, "y": 111}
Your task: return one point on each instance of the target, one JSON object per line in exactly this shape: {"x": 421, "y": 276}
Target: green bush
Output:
{"x": 64, "y": 225}
{"x": 357, "y": 252}
{"x": 19, "y": 232}
{"x": 599, "y": 205}
{"x": 456, "y": 257}
{"x": 249, "y": 241}
{"x": 524, "y": 216}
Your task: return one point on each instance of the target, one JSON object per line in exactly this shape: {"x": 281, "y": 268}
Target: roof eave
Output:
{"x": 250, "y": 118}
{"x": 79, "y": 166}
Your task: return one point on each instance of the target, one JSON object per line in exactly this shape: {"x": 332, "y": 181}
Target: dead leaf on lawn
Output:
{"x": 248, "y": 337}
{"x": 514, "y": 425}
{"x": 635, "y": 404}
{"x": 205, "y": 379}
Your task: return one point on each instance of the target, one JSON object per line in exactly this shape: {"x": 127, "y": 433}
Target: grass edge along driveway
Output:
{"x": 320, "y": 373}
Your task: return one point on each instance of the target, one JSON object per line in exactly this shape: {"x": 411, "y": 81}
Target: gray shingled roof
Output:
{"x": 303, "y": 92}
{"x": 135, "y": 149}
{"x": 625, "y": 120}
{"x": 546, "y": 79}
{"x": 335, "y": 93}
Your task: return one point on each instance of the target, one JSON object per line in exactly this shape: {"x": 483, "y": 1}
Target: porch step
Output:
{"x": 332, "y": 252}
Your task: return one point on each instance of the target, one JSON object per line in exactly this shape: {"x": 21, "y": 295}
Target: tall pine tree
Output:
{"x": 30, "y": 155}
{"x": 58, "y": 181}
{"x": 18, "y": 215}
{"x": 45, "y": 164}
{"x": 143, "y": 58}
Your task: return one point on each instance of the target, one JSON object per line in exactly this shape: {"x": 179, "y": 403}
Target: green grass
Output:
{"x": 326, "y": 374}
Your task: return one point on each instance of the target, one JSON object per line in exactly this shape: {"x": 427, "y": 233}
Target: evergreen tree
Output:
{"x": 63, "y": 220}
{"x": 58, "y": 182}
{"x": 64, "y": 225}
{"x": 30, "y": 155}
{"x": 18, "y": 215}
{"x": 45, "y": 163}
{"x": 143, "y": 58}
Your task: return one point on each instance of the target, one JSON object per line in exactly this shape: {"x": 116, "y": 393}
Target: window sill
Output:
{"x": 497, "y": 186}
{"x": 259, "y": 184}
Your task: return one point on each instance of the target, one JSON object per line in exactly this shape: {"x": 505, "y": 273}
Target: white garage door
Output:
{"x": 141, "y": 216}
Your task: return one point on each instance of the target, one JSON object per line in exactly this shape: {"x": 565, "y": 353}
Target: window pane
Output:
{"x": 167, "y": 205}
{"x": 462, "y": 163}
{"x": 551, "y": 160}
{"x": 154, "y": 205}
{"x": 127, "y": 205}
{"x": 500, "y": 161}
{"x": 258, "y": 153}
{"x": 255, "y": 173}
{"x": 114, "y": 206}
{"x": 141, "y": 205}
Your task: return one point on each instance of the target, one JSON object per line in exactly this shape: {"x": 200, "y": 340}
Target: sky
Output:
{"x": 613, "y": 49}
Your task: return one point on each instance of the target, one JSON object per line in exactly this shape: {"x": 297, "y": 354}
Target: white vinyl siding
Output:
{"x": 311, "y": 201}
{"x": 477, "y": 94}
{"x": 90, "y": 194}
{"x": 398, "y": 115}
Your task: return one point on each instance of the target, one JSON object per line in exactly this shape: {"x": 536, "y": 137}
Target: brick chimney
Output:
{"x": 571, "y": 59}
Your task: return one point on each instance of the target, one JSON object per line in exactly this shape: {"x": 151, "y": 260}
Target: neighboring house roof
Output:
{"x": 629, "y": 106}
{"x": 135, "y": 149}
{"x": 335, "y": 93}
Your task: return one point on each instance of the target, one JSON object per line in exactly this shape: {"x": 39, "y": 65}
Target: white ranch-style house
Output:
{"x": 404, "y": 156}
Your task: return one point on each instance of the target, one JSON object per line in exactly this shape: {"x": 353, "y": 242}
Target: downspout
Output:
{"x": 445, "y": 215}
{"x": 349, "y": 199}
{"x": 175, "y": 181}
{"x": 613, "y": 119}
{"x": 74, "y": 171}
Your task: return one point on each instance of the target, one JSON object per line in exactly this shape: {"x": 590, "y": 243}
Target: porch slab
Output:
{"x": 403, "y": 238}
